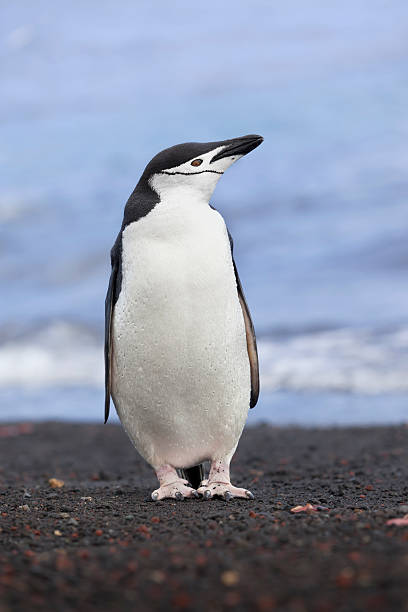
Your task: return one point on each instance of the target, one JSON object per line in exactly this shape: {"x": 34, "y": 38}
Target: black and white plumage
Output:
{"x": 180, "y": 351}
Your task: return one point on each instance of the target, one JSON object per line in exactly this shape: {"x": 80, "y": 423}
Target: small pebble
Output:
{"x": 157, "y": 576}
{"x": 55, "y": 483}
{"x": 230, "y": 578}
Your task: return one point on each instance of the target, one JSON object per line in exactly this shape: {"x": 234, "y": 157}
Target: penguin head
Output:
{"x": 196, "y": 166}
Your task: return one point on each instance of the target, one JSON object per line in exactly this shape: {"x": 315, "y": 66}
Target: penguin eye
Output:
{"x": 196, "y": 162}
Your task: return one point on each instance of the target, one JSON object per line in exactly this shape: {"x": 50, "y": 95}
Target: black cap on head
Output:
{"x": 181, "y": 153}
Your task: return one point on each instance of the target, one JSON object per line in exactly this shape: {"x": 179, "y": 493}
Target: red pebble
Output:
{"x": 83, "y": 554}
{"x": 345, "y": 579}
{"x": 201, "y": 560}
{"x": 181, "y": 600}
{"x": 132, "y": 566}
{"x": 29, "y": 553}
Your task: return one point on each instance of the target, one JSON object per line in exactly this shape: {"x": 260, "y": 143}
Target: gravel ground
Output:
{"x": 97, "y": 542}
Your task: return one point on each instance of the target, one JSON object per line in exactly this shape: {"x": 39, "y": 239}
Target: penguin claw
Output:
{"x": 225, "y": 491}
{"x": 195, "y": 494}
{"x": 174, "y": 490}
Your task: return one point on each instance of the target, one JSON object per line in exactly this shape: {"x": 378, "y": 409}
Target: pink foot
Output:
{"x": 218, "y": 483}
{"x": 225, "y": 490}
{"x": 171, "y": 485}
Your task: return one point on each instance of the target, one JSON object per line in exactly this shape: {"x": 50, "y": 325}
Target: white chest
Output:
{"x": 179, "y": 355}
{"x": 177, "y": 255}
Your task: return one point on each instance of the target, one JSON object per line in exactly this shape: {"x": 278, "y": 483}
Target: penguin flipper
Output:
{"x": 249, "y": 330}
{"x": 251, "y": 341}
{"x": 108, "y": 336}
{"x": 114, "y": 287}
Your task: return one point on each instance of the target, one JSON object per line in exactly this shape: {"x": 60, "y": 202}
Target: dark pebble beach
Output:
{"x": 91, "y": 539}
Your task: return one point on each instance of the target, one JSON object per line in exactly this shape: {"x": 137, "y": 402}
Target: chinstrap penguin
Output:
{"x": 181, "y": 361}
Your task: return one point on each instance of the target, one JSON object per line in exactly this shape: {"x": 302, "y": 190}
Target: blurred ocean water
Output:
{"x": 319, "y": 214}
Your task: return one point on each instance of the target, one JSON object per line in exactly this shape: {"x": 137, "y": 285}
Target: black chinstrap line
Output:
{"x": 190, "y": 173}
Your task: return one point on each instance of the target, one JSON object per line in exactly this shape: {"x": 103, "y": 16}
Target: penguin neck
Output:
{"x": 182, "y": 192}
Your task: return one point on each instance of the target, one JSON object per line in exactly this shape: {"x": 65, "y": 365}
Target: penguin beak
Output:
{"x": 238, "y": 146}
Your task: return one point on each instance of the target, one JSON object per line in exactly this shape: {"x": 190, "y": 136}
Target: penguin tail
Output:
{"x": 194, "y": 475}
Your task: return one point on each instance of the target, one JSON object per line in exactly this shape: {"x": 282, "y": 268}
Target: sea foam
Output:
{"x": 365, "y": 361}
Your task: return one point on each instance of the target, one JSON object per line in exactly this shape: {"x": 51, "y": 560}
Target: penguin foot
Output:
{"x": 223, "y": 489}
{"x": 171, "y": 485}
{"x": 218, "y": 483}
{"x": 175, "y": 490}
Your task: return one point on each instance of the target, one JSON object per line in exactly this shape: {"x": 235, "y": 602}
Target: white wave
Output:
{"x": 61, "y": 354}
{"x": 362, "y": 361}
